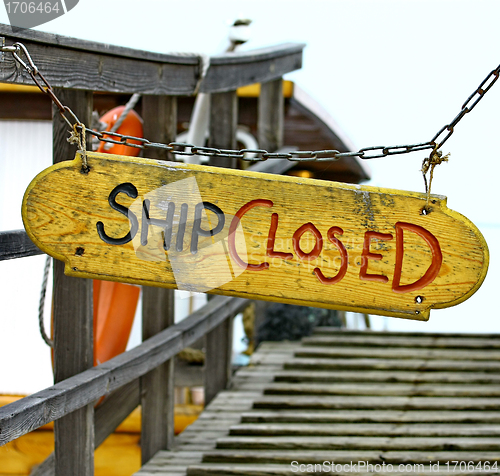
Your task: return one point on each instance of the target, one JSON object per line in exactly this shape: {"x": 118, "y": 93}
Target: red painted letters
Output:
{"x": 366, "y": 255}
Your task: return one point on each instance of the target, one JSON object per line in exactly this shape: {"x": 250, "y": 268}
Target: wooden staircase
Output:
{"x": 345, "y": 397}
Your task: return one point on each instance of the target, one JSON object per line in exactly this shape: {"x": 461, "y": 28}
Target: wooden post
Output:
{"x": 271, "y": 115}
{"x": 223, "y": 122}
{"x": 73, "y": 321}
{"x": 218, "y": 359}
{"x": 160, "y": 123}
{"x": 218, "y": 343}
{"x": 270, "y": 125}
{"x": 157, "y": 387}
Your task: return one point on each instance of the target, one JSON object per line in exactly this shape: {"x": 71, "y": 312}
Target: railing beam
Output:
{"x": 78, "y": 64}
{"x": 107, "y": 416}
{"x": 38, "y": 409}
{"x": 16, "y": 244}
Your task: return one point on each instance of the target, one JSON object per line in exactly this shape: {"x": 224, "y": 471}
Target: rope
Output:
{"x": 78, "y": 136}
{"x": 429, "y": 163}
{"x": 41, "y": 306}
{"x": 192, "y": 356}
{"x": 128, "y": 107}
{"x": 204, "y": 65}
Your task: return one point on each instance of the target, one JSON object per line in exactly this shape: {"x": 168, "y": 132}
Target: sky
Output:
{"x": 390, "y": 72}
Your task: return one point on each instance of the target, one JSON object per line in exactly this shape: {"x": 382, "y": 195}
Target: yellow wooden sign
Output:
{"x": 255, "y": 235}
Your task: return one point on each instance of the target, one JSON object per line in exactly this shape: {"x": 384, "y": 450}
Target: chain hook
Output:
{"x": 31, "y": 68}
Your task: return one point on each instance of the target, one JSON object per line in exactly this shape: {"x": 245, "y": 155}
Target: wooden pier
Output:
{"x": 344, "y": 397}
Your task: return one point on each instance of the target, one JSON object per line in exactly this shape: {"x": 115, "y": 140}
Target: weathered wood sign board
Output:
{"x": 255, "y": 235}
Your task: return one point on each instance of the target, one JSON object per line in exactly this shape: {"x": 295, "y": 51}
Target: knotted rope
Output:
{"x": 78, "y": 136}
{"x": 435, "y": 158}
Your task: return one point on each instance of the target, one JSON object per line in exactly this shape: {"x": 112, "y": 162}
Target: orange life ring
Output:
{"x": 131, "y": 126}
{"x": 114, "y": 310}
{"x": 115, "y": 303}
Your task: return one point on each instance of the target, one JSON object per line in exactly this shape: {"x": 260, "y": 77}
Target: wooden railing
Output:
{"x": 143, "y": 375}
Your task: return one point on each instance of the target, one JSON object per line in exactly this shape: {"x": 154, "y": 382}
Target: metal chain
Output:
{"x": 183, "y": 149}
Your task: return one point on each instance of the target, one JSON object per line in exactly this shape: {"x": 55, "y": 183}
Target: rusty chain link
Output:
{"x": 183, "y": 149}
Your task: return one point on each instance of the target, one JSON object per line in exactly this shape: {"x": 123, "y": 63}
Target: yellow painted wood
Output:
{"x": 18, "y": 88}
{"x": 253, "y": 90}
{"x": 250, "y": 90}
{"x": 443, "y": 257}
{"x": 119, "y": 455}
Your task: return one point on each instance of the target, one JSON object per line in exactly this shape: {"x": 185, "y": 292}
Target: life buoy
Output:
{"x": 131, "y": 126}
{"x": 115, "y": 303}
{"x": 114, "y": 311}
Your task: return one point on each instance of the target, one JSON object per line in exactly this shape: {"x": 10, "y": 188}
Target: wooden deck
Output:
{"x": 348, "y": 397}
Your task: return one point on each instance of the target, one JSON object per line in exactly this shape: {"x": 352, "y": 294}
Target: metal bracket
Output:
{"x": 2, "y": 44}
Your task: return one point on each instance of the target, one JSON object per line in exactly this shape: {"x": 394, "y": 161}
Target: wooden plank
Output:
{"x": 270, "y": 121}
{"x": 291, "y": 273}
{"x": 16, "y": 244}
{"x": 317, "y": 456}
{"x": 360, "y": 443}
{"x": 160, "y": 123}
{"x": 73, "y": 325}
{"x": 393, "y": 364}
{"x": 246, "y": 458}
{"x": 256, "y": 382}
{"x": 40, "y": 408}
{"x": 78, "y": 64}
{"x": 230, "y": 71}
{"x": 364, "y": 422}
{"x": 157, "y": 386}
{"x": 232, "y": 470}
{"x": 223, "y": 123}
{"x": 328, "y": 467}
{"x": 107, "y": 417}
{"x": 270, "y": 133}
{"x": 378, "y": 403}
{"x": 51, "y": 40}
{"x": 398, "y": 353}
{"x": 218, "y": 359}
{"x": 371, "y": 416}
{"x": 205, "y": 435}
{"x": 362, "y": 388}
{"x": 388, "y": 341}
{"x": 324, "y": 331}
{"x": 218, "y": 343}
{"x": 269, "y": 359}
{"x": 365, "y": 429}
{"x": 386, "y": 376}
